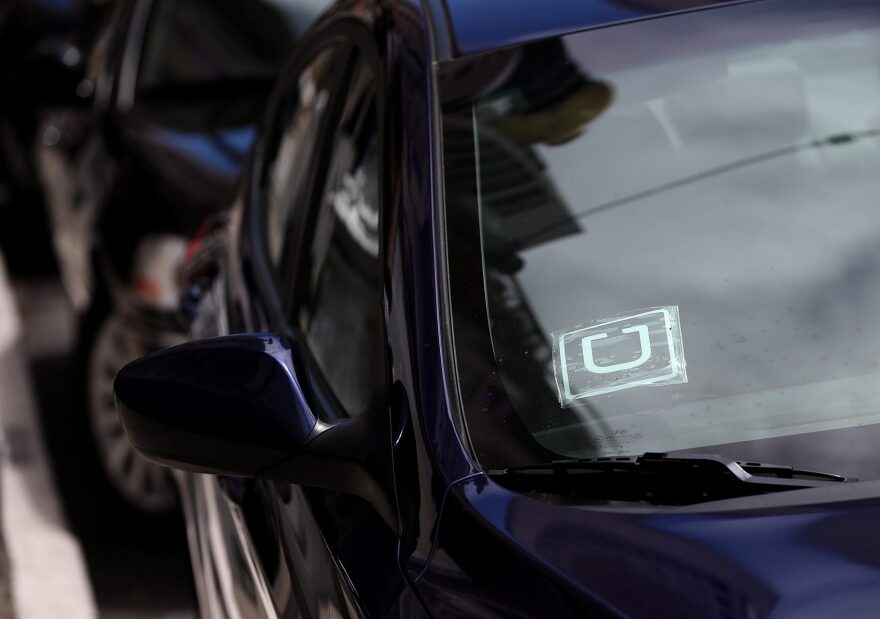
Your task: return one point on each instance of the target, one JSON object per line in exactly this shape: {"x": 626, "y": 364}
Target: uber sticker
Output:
{"x": 619, "y": 352}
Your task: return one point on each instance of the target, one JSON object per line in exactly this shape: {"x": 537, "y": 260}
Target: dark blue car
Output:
{"x": 539, "y": 310}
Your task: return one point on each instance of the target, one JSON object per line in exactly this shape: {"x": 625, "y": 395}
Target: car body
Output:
{"x": 43, "y": 44}
{"x": 434, "y": 497}
{"x": 35, "y": 37}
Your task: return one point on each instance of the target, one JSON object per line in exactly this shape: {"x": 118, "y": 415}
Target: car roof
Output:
{"x": 474, "y": 26}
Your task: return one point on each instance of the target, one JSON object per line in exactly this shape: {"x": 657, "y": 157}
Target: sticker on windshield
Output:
{"x": 619, "y": 352}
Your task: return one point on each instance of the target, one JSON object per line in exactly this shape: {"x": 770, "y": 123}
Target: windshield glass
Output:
{"x": 665, "y": 236}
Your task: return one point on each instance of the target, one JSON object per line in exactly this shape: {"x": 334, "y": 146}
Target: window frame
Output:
{"x": 306, "y": 217}
{"x": 354, "y": 40}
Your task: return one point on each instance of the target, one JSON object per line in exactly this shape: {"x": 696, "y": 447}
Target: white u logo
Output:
{"x": 644, "y": 344}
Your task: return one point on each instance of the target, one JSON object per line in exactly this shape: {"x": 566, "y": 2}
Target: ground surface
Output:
{"x": 137, "y": 569}
{"x": 6, "y": 611}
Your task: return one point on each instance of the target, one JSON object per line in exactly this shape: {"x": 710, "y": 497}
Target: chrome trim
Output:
{"x": 188, "y": 500}
{"x": 257, "y": 576}
{"x": 215, "y": 547}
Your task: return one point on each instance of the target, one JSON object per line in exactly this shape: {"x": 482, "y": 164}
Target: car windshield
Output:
{"x": 665, "y": 236}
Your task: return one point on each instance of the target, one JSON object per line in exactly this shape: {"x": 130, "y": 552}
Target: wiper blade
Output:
{"x": 787, "y": 472}
{"x": 659, "y": 478}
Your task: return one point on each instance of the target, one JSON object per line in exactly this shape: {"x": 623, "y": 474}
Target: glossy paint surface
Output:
{"x": 808, "y": 560}
{"x": 481, "y": 26}
{"x": 231, "y": 404}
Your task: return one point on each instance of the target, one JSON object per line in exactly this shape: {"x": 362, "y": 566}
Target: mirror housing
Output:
{"x": 228, "y": 405}
{"x": 234, "y": 405}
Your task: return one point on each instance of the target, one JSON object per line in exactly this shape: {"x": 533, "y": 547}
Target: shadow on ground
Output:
{"x": 137, "y": 569}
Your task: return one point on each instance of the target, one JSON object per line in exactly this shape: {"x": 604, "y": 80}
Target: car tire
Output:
{"x": 127, "y": 483}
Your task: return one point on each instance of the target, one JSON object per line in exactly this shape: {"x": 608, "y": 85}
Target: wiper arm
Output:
{"x": 659, "y": 478}
{"x": 787, "y": 472}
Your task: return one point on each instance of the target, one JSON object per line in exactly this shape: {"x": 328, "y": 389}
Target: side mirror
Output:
{"x": 226, "y": 405}
{"x": 233, "y": 405}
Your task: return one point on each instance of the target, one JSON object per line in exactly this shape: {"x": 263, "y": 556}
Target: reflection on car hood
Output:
{"x": 800, "y": 560}
{"x": 490, "y": 24}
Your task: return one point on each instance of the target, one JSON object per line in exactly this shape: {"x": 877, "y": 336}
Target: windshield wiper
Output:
{"x": 661, "y": 479}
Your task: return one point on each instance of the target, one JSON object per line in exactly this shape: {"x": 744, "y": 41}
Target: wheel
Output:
{"x": 108, "y": 343}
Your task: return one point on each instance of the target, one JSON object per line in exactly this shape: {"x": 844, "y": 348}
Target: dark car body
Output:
{"x": 42, "y": 44}
{"x": 456, "y": 541}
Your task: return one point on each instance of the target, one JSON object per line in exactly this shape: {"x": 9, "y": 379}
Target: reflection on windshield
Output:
{"x": 723, "y": 162}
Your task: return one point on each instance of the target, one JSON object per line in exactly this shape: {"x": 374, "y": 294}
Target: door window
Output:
{"x": 337, "y": 302}
{"x": 287, "y": 174}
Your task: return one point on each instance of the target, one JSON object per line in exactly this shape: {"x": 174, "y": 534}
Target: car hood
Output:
{"x": 794, "y": 554}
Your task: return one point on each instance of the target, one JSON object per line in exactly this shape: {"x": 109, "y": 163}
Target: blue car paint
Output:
{"x": 491, "y": 24}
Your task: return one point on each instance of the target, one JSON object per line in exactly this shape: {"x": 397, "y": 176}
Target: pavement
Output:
{"x": 44, "y": 566}
{"x": 60, "y": 553}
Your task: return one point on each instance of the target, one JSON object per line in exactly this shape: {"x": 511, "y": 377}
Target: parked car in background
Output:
{"x": 518, "y": 305}
{"x": 43, "y": 45}
{"x": 175, "y": 90}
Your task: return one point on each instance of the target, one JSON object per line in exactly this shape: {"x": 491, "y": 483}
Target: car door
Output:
{"x": 244, "y": 563}
{"x": 331, "y": 284}
{"x": 320, "y": 221}
{"x": 280, "y": 549}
